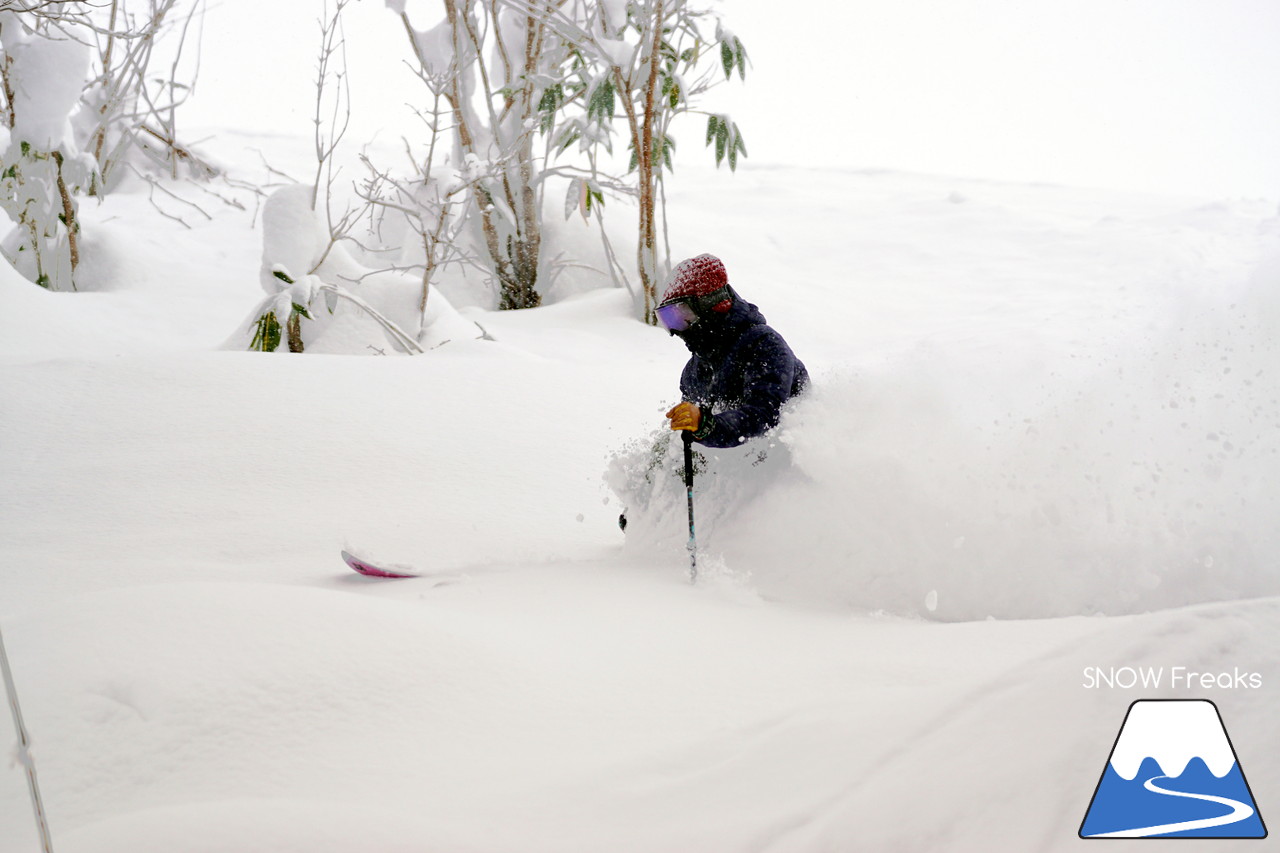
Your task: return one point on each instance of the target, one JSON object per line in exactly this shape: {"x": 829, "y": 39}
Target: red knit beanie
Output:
{"x": 700, "y": 276}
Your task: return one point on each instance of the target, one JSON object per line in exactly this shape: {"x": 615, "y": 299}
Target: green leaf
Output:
{"x": 26, "y": 148}
{"x": 726, "y": 58}
{"x": 741, "y": 55}
{"x": 712, "y": 121}
{"x": 551, "y": 101}
{"x": 301, "y": 309}
{"x": 267, "y": 336}
{"x": 282, "y": 275}
{"x": 591, "y": 198}
{"x": 600, "y": 106}
{"x": 569, "y": 139}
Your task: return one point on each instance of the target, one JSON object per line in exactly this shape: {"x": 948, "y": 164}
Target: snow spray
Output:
{"x": 1126, "y": 474}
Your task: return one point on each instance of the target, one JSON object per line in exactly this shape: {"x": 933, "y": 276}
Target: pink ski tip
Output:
{"x": 370, "y": 570}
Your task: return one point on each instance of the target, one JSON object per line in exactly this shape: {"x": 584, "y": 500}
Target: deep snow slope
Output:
{"x": 1031, "y": 402}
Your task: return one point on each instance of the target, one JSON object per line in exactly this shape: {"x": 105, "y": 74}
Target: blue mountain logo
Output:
{"x": 1173, "y": 773}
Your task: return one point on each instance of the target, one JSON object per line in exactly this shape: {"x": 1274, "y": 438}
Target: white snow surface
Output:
{"x": 1050, "y": 406}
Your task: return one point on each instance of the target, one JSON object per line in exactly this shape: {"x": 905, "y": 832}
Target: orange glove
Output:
{"x": 685, "y": 416}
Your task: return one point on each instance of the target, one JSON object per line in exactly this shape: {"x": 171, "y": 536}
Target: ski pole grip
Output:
{"x": 687, "y": 438}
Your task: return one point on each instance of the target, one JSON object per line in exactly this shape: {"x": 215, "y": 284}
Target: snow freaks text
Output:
{"x": 1172, "y": 677}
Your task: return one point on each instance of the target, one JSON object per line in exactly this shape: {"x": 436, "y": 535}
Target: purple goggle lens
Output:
{"x": 678, "y": 316}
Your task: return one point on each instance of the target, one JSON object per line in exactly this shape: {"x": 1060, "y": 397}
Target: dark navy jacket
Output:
{"x": 742, "y": 372}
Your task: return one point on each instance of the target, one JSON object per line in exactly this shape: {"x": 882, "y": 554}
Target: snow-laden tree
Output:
{"x": 510, "y": 71}
{"x": 81, "y": 98}
{"x": 652, "y": 60}
{"x": 489, "y": 63}
{"x": 144, "y": 70}
{"x": 42, "y": 170}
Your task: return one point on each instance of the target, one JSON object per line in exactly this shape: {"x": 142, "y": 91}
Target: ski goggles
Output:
{"x": 678, "y": 316}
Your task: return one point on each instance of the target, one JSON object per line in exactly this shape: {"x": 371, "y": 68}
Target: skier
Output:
{"x": 741, "y": 371}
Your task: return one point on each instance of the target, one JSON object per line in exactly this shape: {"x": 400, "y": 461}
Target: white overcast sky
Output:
{"x": 1166, "y": 95}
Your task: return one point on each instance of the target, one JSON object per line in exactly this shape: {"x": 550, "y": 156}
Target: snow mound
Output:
{"x": 347, "y": 305}
{"x": 37, "y": 324}
{"x": 1137, "y": 476}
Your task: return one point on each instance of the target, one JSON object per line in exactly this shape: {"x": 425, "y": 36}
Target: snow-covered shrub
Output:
{"x": 72, "y": 114}
{"x": 143, "y": 71}
{"x": 319, "y": 298}
{"x": 41, "y": 168}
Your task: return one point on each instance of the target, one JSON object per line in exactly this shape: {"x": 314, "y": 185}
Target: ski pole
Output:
{"x": 24, "y": 751}
{"x": 688, "y": 485}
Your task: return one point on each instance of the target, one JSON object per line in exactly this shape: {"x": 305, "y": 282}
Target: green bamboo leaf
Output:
{"x": 570, "y": 137}
{"x": 551, "y": 101}
{"x": 741, "y": 56}
{"x": 712, "y": 121}
{"x": 726, "y": 59}
{"x": 267, "y": 336}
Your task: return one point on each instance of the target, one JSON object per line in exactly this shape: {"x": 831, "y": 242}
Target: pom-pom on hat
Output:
{"x": 696, "y": 278}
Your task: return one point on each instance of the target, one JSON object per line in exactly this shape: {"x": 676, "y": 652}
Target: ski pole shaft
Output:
{"x": 688, "y": 485}
{"x": 24, "y": 751}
